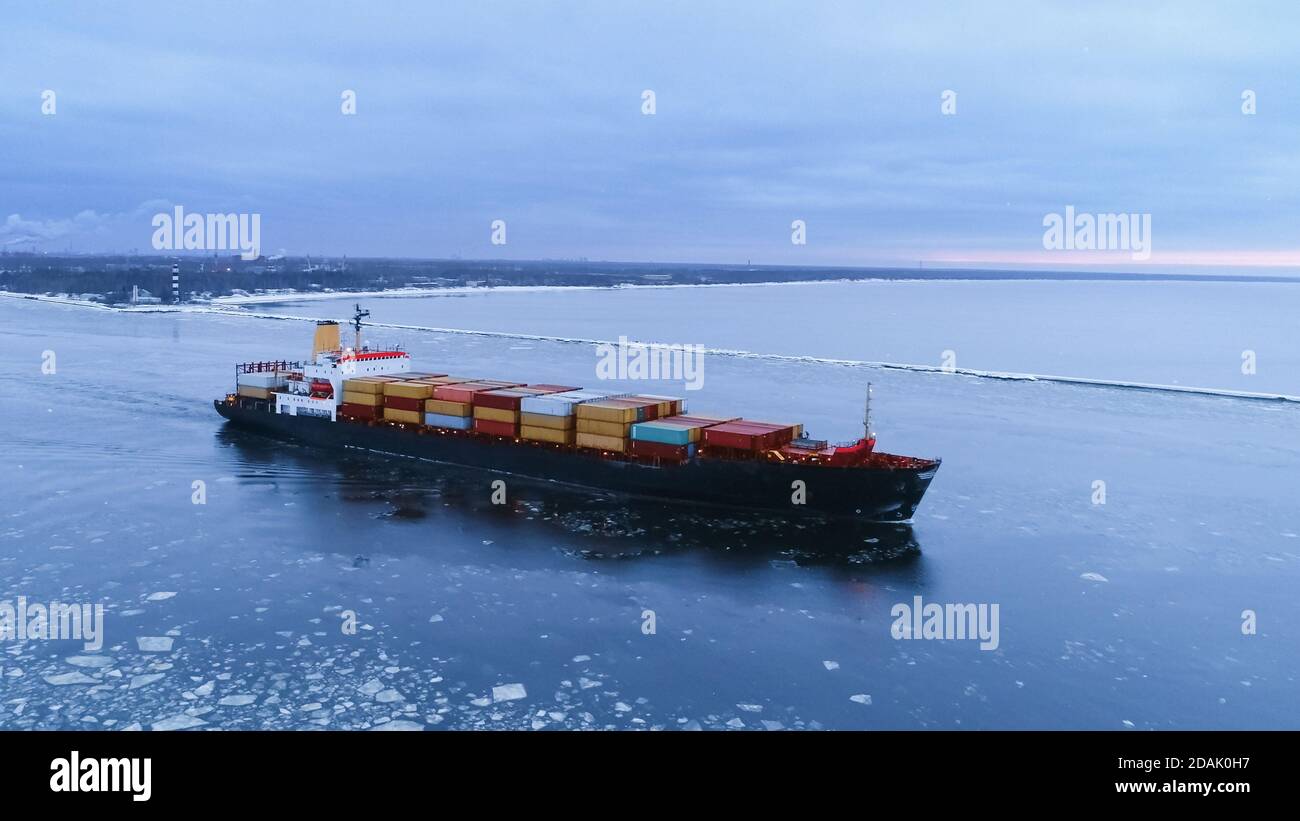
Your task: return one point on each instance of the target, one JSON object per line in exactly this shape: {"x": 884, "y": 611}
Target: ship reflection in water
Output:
{"x": 445, "y": 499}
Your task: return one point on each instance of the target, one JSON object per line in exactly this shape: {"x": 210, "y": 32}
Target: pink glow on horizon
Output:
{"x": 1261, "y": 258}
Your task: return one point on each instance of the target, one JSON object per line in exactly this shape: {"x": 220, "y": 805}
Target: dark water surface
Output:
{"x": 1122, "y": 614}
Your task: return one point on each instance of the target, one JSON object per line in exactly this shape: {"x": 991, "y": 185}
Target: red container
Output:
{"x": 496, "y": 428}
{"x": 731, "y": 435}
{"x": 778, "y": 434}
{"x": 638, "y": 447}
{"x": 746, "y": 435}
{"x": 355, "y": 411}
{"x": 404, "y": 403}
{"x": 507, "y": 399}
{"x": 463, "y": 392}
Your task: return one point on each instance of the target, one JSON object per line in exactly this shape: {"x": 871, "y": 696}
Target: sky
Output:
{"x": 831, "y": 113}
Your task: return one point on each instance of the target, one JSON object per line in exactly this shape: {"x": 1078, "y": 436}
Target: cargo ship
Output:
{"x": 368, "y": 398}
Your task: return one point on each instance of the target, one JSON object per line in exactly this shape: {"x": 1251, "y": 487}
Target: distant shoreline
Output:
{"x": 234, "y": 302}
{"x": 232, "y": 282}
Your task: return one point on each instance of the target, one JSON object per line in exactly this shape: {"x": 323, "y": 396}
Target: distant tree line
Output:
{"x": 114, "y": 276}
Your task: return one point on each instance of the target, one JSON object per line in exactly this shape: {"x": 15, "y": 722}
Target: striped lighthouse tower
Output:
{"x": 176, "y": 282}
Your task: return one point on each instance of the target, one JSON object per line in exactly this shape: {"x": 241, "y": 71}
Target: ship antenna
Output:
{"x": 866, "y": 415}
{"x": 356, "y": 323}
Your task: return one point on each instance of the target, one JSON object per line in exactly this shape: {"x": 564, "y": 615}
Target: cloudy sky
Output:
{"x": 765, "y": 113}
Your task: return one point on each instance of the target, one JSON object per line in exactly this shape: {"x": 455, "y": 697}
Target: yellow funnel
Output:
{"x": 327, "y": 338}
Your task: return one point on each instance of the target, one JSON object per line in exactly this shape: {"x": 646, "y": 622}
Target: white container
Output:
{"x": 563, "y": 404}
{"x": 261, "y": 379}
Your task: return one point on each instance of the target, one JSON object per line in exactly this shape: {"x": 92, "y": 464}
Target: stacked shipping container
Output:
{"x": 404, "y": 401}
{"x": 751, "y": 436}
{"x": 452, "y": 405}
{"x": 647, "y": 426}
{"x": 498, "y": 412}
{"x": 674, "y": 437}
{"x": 260, "y": 384}
{"x": 363, "y": 398}
{"x": 606, "y": 424}
{"x": 551, "y": 417}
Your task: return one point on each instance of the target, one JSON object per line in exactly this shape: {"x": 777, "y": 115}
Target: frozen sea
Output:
{"x": 1127, "y": 614}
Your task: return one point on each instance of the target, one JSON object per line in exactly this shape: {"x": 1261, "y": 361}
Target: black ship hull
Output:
{"x": 879, "y": 494}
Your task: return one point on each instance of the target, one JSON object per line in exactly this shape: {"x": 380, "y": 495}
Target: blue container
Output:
{"x": 661, "y": 433}
{"x": 442, "y": 420}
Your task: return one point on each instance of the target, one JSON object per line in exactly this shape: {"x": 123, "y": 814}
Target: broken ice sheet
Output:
{"x": 141, "y": 681}
{"x": 161, "y": 596}
{"x": 399, "y": 724}
{"x": 508, "y": 692}
{"x": 178, "y": 722}
{"x": 154, "y": 644}
{"x": 69, "y": 678}
{"x": 237, "y": 700}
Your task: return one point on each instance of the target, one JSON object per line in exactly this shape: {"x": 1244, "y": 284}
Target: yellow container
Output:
{"x": 411, "y": 417}
{"x": 497, "y": 415}
{"x": 448, "y": 408}
{"x": 563, "y": 437}
{"x": 366, "y": 384}
{"x": 408, "y": 390}
{"x": 545, "y": 420}
{"x": 371, "y": 399}
{"x": 595, "y": 440}
{"x": 254, "y": 393}
{"x": 618, "y": 429}
{"x": 606, "y": 412}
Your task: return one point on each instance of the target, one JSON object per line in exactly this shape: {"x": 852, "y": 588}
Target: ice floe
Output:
{"x": 399, "y": 724}
{"x": 508, "y": 692}
{"x": 70, "y": 678}
{"x": 178, "y": 722}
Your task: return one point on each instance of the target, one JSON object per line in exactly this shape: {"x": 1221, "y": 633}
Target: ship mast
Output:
{"x": 356, "y": 323}
{"x": 866, "y": 415}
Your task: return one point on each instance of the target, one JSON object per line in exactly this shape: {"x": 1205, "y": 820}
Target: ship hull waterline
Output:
{"x": 886, "y": 494}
